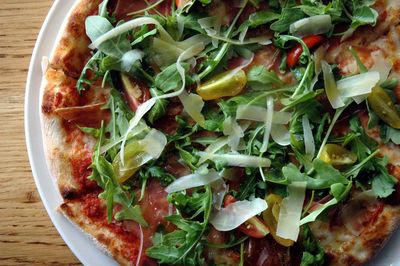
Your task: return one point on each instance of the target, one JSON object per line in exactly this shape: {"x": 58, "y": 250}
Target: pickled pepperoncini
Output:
{"x": 337, "y": 156}
{"x": 134, "y": 157}
{"x": 383, "y": 105}
{"x": 271, "y": 217}
{"x": 228, "y": 83}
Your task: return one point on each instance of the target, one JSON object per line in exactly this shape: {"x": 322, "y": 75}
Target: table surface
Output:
{"x": 27, "y": 235}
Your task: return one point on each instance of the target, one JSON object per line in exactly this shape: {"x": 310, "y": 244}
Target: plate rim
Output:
{"x": 85, "y": 250}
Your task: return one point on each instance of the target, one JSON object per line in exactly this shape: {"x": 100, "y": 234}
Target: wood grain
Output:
{"x": 27, "y": 236}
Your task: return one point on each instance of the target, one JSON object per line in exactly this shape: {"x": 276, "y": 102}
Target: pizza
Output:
{"x": 216, "y": 132}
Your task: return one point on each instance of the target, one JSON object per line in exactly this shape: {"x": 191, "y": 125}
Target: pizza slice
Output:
{"x": 220, "y": 133}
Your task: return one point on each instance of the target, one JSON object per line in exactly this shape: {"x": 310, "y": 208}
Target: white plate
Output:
{"x": 78, "y": 242}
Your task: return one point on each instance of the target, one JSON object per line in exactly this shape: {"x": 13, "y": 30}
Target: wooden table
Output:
{"x": 27, "y": 236}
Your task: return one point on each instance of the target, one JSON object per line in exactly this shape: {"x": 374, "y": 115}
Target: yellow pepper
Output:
{"x": 133, "y": 156}
{"x": 229, "y": 83}
{"x": 271, "y": 217}
{"x": 337, "y": 156}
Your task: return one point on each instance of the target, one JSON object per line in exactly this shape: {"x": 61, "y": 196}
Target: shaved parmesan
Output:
{"x": 219, "y": 190}
{"x": 331, "y": 90}
{"x": 236, "y": 159}
{"x": 237, "y": 213}
{"x": 233, "y": 131}
{"x": 308, "y": 137}
{"x": 193, "y": 104}
{"x": 193, "y": 180}
{"x": 290, "y": 213}
{"x": 268, "y": 123}
{"x": 281, "y": 118}
{"x": 154, "y": 143}
{"x": 142, "y": 127}
{"x": 257, "y": 113}
{"x": 358, "y": 85}
{"x": 281, "y": 135}
{"x": 141, "y": 239}
{"x": 251, "y": 112}
{"x": 213, "y": 148}
{"x": 311, "y": 25}
{"x": 130, "y": 58}
{"x": 381, "y": 65}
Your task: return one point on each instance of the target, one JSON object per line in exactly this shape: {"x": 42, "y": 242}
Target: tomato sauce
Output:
{"x": 154, "y": 206}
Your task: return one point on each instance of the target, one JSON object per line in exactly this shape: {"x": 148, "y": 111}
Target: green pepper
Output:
{"x": 337, "y": 156}
{"x": 383, "y": 106}
{"x": 229, "y": 83}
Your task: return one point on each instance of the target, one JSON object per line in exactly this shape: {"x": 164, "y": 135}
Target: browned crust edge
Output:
{"x": 65, "y": 64}
{"x": 71, "y": 51}
{"x": 105, "y": 239}
{"x": 375, "y": 243}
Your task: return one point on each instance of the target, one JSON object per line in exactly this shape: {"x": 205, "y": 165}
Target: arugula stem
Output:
{"x": 146, "y": 9}
{"x": 228, "y": 245}
{"x": 146, "y": 75}
{"x": 224, "y": 49}
{"x": 359, "y": 165}
{"x": 309, "y": 203}
{"x": 158, "y": 13}
{"x": 328, "y": 132}
{"x": 360, "y": 64}
{"x": 265, "y": 94}
{"x": 303, "y": 80}
{"x": 241, "y": 263}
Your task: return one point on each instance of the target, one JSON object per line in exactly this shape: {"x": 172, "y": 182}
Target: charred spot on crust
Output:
{"x": 67, "y": 210}
{"x": 68, "y": 193}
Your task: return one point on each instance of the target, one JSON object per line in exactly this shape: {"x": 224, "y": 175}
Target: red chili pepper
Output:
{"x": 253, "y": 227}
{"x": 181, "y": 3}
{"x": 295, "y": 53}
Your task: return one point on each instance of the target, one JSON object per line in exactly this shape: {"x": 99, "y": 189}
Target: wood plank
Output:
{"x": 27, "y": 236}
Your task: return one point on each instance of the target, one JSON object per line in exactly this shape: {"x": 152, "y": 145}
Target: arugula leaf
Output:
{"x": 390, "y": 134}
{"x": 160, "y": 107}
{"x": 332, "y": 8}
{"x": 182, "y": 246}
{"x": 314, "y": 254}
{"x": 143, "y": 34}
{"x": 162, "y": 175}
{"x": 257, "y": 19}
{"x": 93, "y": 65}
{"x": 287, "y": 17}
{"x": 259, "y": 74}
{"x": 169, "y": 79}
{"x": 364, "y": 15}
{"x": 97, "y": 26}
{"x": 262, "y": 17}
{"x": 382, "y": 183}
{"x": 132, "y": 213}
{"x": 326, "y": 176}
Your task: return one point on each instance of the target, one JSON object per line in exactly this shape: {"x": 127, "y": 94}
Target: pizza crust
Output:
{"x": 72, "y": 52}
{"x": 345, "y": 248}
{"x": 104, "y": 238}
{"x": 62, "y": 145}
